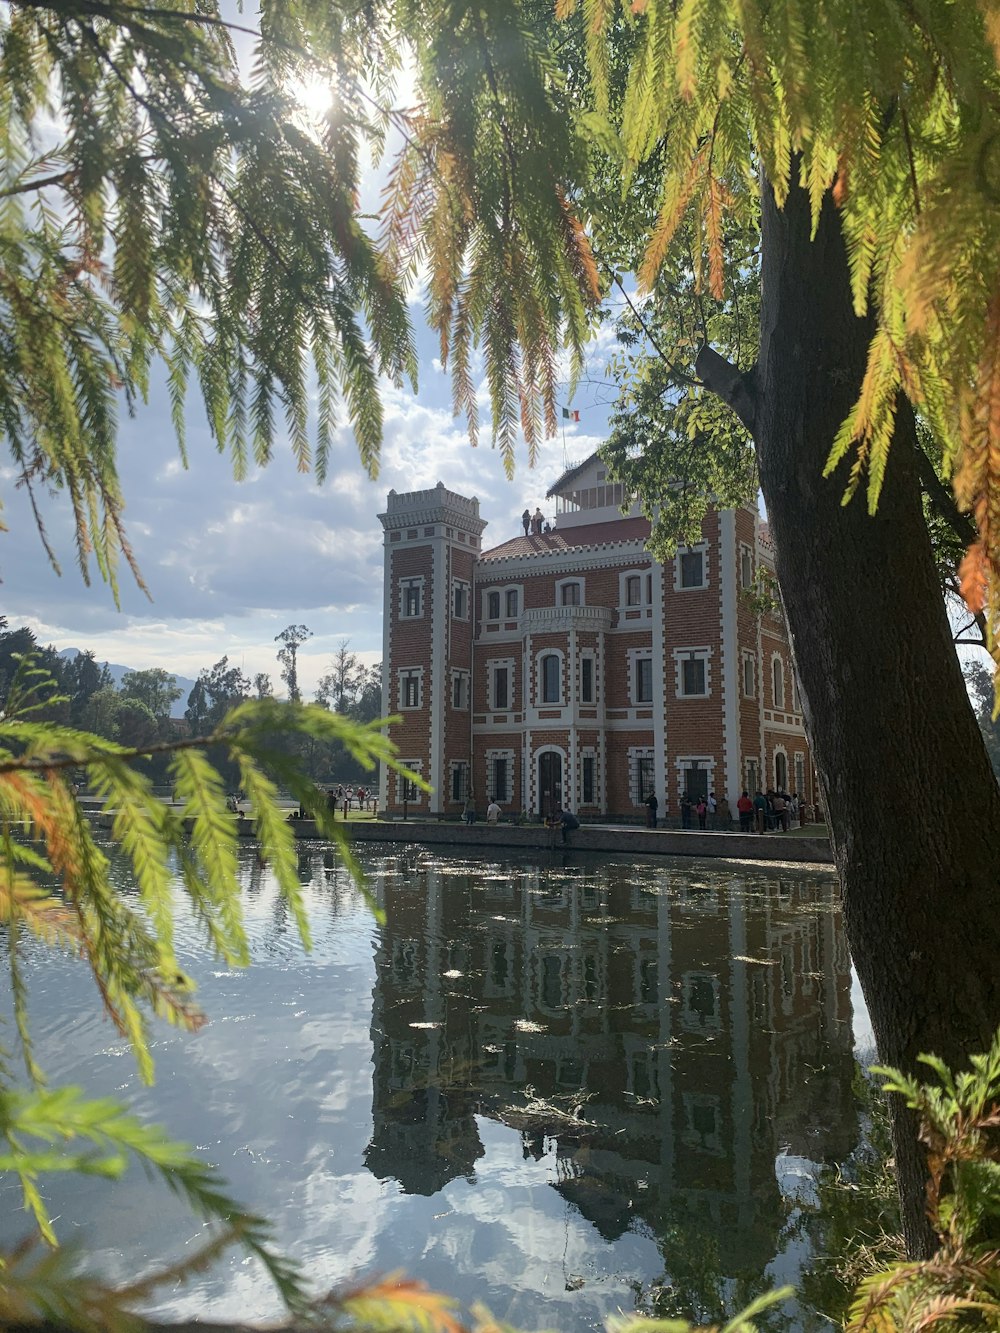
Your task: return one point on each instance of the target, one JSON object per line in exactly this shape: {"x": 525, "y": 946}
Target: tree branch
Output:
{"x": 727, "y": 382}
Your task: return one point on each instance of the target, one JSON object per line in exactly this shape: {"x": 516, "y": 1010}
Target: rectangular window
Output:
{"x": 412, "y": 598}
{"x": 461, "y": 601}
{"x": 644, "y": 680}
{"x": 649, "y": 589}
{"x": 753, "y": 777}
{"x": 409, "y": 790}
{"x": 645, "y": 782}
{"x": 693, "y": 676}
{"x": 460, "y": 689}
{"x": 492, "y": 606}
{"x": 501, "y": 688}
{"x": 692, "y": 569}
{"x": 800, "y": 777}
{"x": 587, "y": 680}
{"x": 411, "y": 690}
{"x": 459, "y": 781}
{"x": 749, "y": 682}
{"x": 551, "y": 692}
{"x": 587, "y": 795}
{"x": 511, "y": 602}
{"x": 499, "y": 776}
{"x": 746, "y": 567}
{"x": 633, "y": 590}
{"x": 570, "y": 594}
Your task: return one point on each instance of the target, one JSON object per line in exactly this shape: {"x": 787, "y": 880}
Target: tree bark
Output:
{"x": 913, "y": 805}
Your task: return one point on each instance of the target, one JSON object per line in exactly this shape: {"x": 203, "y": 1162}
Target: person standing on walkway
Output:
{"x": 686, "y": 811}
{"x": 713, "y": 805}
{"x": 652, "y": 805}
{"x": 702, "y": 809}
{"x": 526, "y": 520}
{"x": 760, "y": 811}
{"x": 745, "y": 806}
{"x": 536, "y": 523}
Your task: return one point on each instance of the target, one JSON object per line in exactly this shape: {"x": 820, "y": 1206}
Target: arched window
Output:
{"x": 778, "y": 682}
{"x": 551, "y": 692}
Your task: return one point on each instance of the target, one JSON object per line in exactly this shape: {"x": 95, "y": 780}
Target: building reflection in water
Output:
{"x": 697, "y": 1029}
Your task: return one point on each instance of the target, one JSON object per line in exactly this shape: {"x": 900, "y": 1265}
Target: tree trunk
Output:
{"x": 913, "y": 805}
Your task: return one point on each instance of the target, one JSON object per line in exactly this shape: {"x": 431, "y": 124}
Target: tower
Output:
{"x": 432, "y": 540}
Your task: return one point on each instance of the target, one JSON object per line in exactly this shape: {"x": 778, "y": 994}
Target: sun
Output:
{"x": 314, "y": 95}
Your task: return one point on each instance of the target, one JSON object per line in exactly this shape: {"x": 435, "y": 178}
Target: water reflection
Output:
{"x": 563, "y": 1090}
{"x": 660, "y": 1036}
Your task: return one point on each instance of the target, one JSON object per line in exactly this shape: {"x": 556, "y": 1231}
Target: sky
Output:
{"x": 229, "y": 565}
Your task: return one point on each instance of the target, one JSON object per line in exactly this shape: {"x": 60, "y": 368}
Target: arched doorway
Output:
{"x": 549, "y": 783}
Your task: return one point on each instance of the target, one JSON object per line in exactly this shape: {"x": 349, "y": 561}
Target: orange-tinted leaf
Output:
{"x": 972, "y": 577}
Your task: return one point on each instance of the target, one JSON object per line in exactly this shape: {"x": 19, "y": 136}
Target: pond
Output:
{"x": 564, "y": 1089}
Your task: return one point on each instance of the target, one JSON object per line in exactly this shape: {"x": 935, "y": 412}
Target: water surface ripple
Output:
{"x": 563, "y": 1089}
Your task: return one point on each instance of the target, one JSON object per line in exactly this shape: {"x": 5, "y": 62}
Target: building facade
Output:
{"x": 570, "y": 667}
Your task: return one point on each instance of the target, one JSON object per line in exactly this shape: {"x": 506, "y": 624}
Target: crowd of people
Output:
{"x": 770, "y": 811}
{"x": 341, "y": 798}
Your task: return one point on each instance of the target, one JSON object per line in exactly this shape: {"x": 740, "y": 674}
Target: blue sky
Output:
{"x": 230, "y": 565}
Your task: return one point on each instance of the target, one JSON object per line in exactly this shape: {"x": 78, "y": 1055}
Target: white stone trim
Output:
{"x": 539, "y": 701}
{"x": 748, "y": 658}
{"x": 494, "y": 664}
{"x": 634, "y": 754}
{"x": 415, "y": 766}
{"x": 683, "y": 762}
{"x": 681, "y": 655}
{"x": 779, "y": 749}
{"x": 561, "y": 584}
{"x": 410, "y": 581}
{"x": 745, "y": 554}
{"x": 731, "y": 661}
{"x": 464, "y": 586}
{"x": 635, "y": 656}
{"x": 463, "y": 675}
{"x": 507, "y": 795}
{"x": 778, "y": 704}
{"x": 403, "y": 674}
{"x": 706, "y": 578}
{"x": 453, "y": 766}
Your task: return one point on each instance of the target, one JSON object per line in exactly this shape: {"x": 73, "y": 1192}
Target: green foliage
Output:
{"x": 959, "y": 1118}
{"x": 55, "y": 882}
{"x": 172, "y": 212}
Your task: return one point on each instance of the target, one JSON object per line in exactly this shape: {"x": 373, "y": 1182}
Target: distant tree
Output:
{"x": 155, "y": 688}
{"x": 980, "y": 682}
{"x": 262, "y": 687}
{"x": 368, "y": 699}
{"x": 216, "y": 690}
{"x": 339, "y": 688}
{"x": 99, "y": 713}
{"x": 136, "y": 725}
{"x": 50, "y": 691}
{"x": 290, "y": 638}
{"x": 84, "y": 677}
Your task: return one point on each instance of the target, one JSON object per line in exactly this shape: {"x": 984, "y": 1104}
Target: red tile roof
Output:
{"x": 586, "y": 534}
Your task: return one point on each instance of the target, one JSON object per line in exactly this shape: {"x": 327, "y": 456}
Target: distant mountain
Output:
{"x": 184, "y": 683}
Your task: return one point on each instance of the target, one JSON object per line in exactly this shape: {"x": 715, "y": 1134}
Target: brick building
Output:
{"x": 570, "y": 666}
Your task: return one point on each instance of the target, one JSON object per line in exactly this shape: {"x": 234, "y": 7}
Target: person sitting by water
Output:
{"x": 567, "y": 822}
